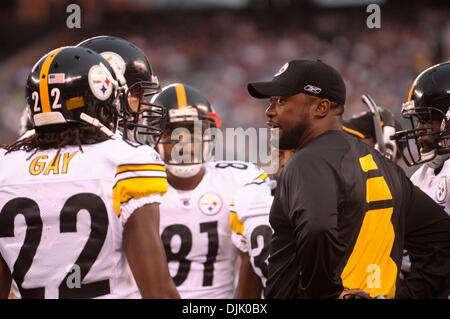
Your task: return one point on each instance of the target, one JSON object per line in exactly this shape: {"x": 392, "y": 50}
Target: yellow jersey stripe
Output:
{"x": 353, "y": 132}
{"x": 43, "y": 80}
{"x": 137, "y": 187}
{"x": 262, "y": 177}
{"x": 367, "y": 163}
{"x": 370, "y": 266}
{"x": 181, "y": 96}
{"x": 377, "y": 189}
{"x": 140, "y": 167}
{"x": 235, "y": 224}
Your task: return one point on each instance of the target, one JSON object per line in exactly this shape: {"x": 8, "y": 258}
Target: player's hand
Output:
{"x": 354, "y": 294}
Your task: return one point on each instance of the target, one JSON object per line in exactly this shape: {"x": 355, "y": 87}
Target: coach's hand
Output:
{"x": 354, "y": 294}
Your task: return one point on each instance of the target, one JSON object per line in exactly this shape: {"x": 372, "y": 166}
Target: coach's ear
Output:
{"x": 321, "y": 107}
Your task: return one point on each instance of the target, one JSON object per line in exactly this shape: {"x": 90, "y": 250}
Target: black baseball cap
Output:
{"x": 311, "y": 77}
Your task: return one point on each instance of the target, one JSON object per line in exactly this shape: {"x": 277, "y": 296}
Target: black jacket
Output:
{"x": 342, "y": 215}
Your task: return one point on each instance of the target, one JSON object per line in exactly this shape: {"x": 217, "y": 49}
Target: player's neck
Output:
{"x": 185, "y": 184}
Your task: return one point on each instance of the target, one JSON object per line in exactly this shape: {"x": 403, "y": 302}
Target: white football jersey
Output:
{"x": 195, "y": 230}
{"x": 249, "y": 222}
{"x": 62, "y": 217}
{"x": 435, "y": 186}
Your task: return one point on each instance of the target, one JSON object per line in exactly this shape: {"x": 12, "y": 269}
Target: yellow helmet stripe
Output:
{"x": 43, "y": 80}
{"x": 415, "y": 81}
{"x": 181, "y": 96}
{"x": 411, "y": 92}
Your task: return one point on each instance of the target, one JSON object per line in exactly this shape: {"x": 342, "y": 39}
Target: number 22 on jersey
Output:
{"x": 67, "y": 224}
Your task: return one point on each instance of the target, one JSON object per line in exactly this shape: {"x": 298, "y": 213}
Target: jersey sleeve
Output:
{"x": 140, "y": 179}
{"x": 313, "y": 214}
{"x": 253, "y": 173}
{"x": 238, "y": 173}
{"x": 305, "y": 206}
{"x": 251, "y": 200}
{"x": 237, "y": 230}
{"x": 428, "y": 243}
{"x": 255, "y": 198}
{"x": 415, "y": 176}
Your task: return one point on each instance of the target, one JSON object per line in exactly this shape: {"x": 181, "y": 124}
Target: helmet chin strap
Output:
{"x": 96, "y": 122}
{"x": 184, "y": 171}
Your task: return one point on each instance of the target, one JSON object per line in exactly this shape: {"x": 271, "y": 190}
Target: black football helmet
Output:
{"x": 363, "y": 126}
{"x": 429, "y": 99}
{"x": 187, "y": 107}
{"x": 135, "y": 77}
{"x": 72, "y": 85}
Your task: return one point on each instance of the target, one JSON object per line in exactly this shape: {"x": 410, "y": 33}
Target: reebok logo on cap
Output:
{"x": 312, "y": 89}
{"x": 298, "y": 76}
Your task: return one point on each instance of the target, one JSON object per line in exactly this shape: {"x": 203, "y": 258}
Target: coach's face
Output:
{"x": 291, "y": 115}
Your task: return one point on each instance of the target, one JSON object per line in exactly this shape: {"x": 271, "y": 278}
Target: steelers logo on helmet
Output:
{"x": 210, "y": 204}
{"x": 140, "y": 121}
{"x": 100, "y": 82}
{"x": 116, "y": 61}
{"x": 282, "y": 69}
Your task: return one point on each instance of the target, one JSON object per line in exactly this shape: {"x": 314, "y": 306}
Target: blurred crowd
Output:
{"x": 219, "y": 52}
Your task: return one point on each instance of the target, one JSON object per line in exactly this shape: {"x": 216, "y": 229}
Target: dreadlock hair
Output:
{"x": 59, "y": 136}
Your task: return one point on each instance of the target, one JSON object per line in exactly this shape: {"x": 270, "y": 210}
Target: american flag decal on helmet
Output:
{"x": 54, "y": 78}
